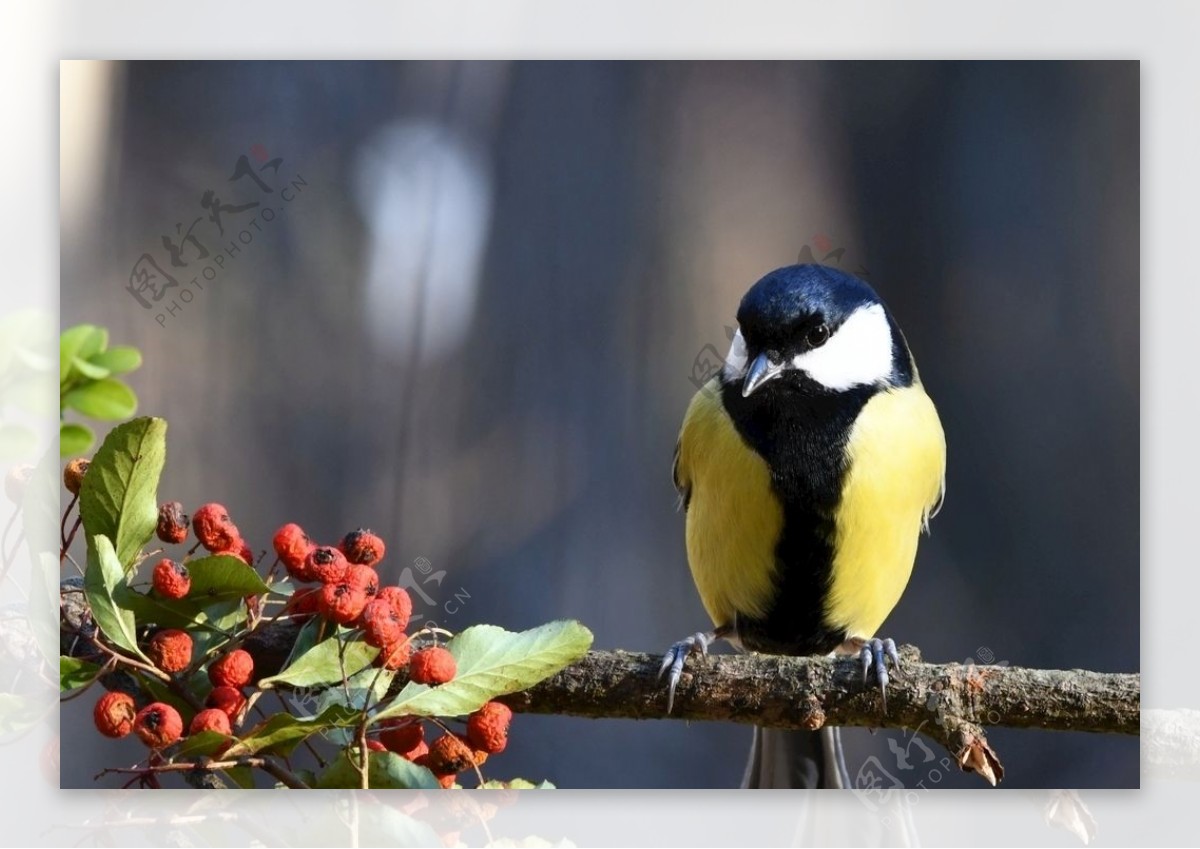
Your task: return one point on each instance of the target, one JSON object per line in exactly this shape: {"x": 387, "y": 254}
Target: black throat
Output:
{"x": 801, "y": 433}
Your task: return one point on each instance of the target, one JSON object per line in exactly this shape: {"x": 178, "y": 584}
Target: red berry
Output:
{"x": 227, "y": 699}
{"x": 342, "y": 603}
{"x": 401, "y": 601}
{"x": 450, "y": 754}
{"x": 172, "y": 523}
{"x": 158, "y": 725}
{"x": 170, "y": 650}
{"x": 325, "y": 564}
{"x": 395, "y": 655}
{"x": 73, "y": 474}
{"x": 363, "y": 578}
{"x": 362, "y": 547}
{"x": 487, "y": 728}
{"x": 305, "y": 602}
{"x": 381, "y": 624}
{"x": 239, "y": 550}
{"x": 211, "y": 719}
{"x": 375, "y": 746}
{"x": 293, "y": 546}
{"x": 171, "y": 579}
{"x": 114, "y": 714}
{"x": 420, "y": 751}
{"x": 402, "y": 736}
{"x": 215, "y": 530}
{"x": 434, "y": 665}
{"x": 234, "y": 669}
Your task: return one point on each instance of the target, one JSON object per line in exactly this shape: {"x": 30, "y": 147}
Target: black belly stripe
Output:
{"x": 802, "y": 434}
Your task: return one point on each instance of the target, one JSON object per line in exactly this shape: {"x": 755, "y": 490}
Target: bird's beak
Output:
{"x": 761, "y": 370}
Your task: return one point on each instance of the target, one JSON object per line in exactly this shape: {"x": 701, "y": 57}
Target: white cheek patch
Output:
{"x": 858, "y": 353}
{"x": 735, "y": 361}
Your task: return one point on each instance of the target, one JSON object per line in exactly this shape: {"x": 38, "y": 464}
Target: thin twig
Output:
{"x": 129, "y": 661}
{"x": 62, "y": 525}
{"x": 267, "y": 765}
{"x": 70, "y": 538}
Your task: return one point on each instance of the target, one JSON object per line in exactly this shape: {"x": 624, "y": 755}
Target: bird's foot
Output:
{"x": 673, "y": 660}
{"x": 874, "y": 656}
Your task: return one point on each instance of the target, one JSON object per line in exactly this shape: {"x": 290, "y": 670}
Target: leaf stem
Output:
{"x": 364, "y": 754}
{"x": 129, "y": 661}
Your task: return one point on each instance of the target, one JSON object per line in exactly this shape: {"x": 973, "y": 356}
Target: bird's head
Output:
{"x": 815, "y": 329}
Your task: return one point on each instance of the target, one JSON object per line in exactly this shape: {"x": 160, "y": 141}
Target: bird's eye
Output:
{"x": 818, "y": 336}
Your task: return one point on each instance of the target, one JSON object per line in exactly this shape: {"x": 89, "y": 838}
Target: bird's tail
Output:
{"x": 802, "y": 759}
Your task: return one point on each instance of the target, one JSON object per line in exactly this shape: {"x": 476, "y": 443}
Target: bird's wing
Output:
{"x": 936, "y": 506}
{"x": 683, "y": 487}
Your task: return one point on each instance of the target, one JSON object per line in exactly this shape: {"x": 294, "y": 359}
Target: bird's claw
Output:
{"x": 674, "y": 659}
{"x": 874, "y": 655}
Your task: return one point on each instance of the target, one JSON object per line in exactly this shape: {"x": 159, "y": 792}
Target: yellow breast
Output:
{"x": 733, "y": 520}
{"x": 897, "y": 463}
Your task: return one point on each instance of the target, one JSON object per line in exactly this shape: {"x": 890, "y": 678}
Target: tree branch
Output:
{"x": 950, "y": 703}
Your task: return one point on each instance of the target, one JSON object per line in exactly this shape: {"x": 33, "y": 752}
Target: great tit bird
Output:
{"x": 808, "y": 468}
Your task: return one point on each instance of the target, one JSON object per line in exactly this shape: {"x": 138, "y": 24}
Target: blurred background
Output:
{"x": 471, "y": 309}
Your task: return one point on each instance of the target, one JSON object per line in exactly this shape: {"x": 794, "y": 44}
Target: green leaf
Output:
{"x": 385, "y": 770}
{"x": 219, "y": 585}
{"x": 282, "y": 733}
{"x": 103, "y": 583}
{"x": 74, "y": 439}
{"x": 160, "y": 692}
{"x": 94, "y": 343}
{"x": 152, "y": 609}
{"x": 516, "y": 784}
{"x": 285, "y": 588}
{"x": 200, "y": 745}
{"x": 74, "y": 673}
{"x": 72, "y": 342}
{"x": 242, "y": 776}
{"x": 209, "y": 620}
{"x": 119, "y": 496}
{"x": 89, "y": 369}
{"x": 493, "y": 662}
{"x": 310, "y": 634}
{"x": 320, "y": 665}
{"x": 107, "y": 399}
{"x": 367, "y": 686}
{"x": 222, "y": 576}
{"x": 118, "y": 359}
{"x": 215, "y": 623}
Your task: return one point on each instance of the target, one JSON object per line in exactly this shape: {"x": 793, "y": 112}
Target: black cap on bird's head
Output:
{"x": 820, "y": 329}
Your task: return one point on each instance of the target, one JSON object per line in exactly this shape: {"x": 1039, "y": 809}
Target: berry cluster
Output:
{"x": 451, "y": 753}
{"x": 349, "y": 593}
{"x": 338, "y": 583}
